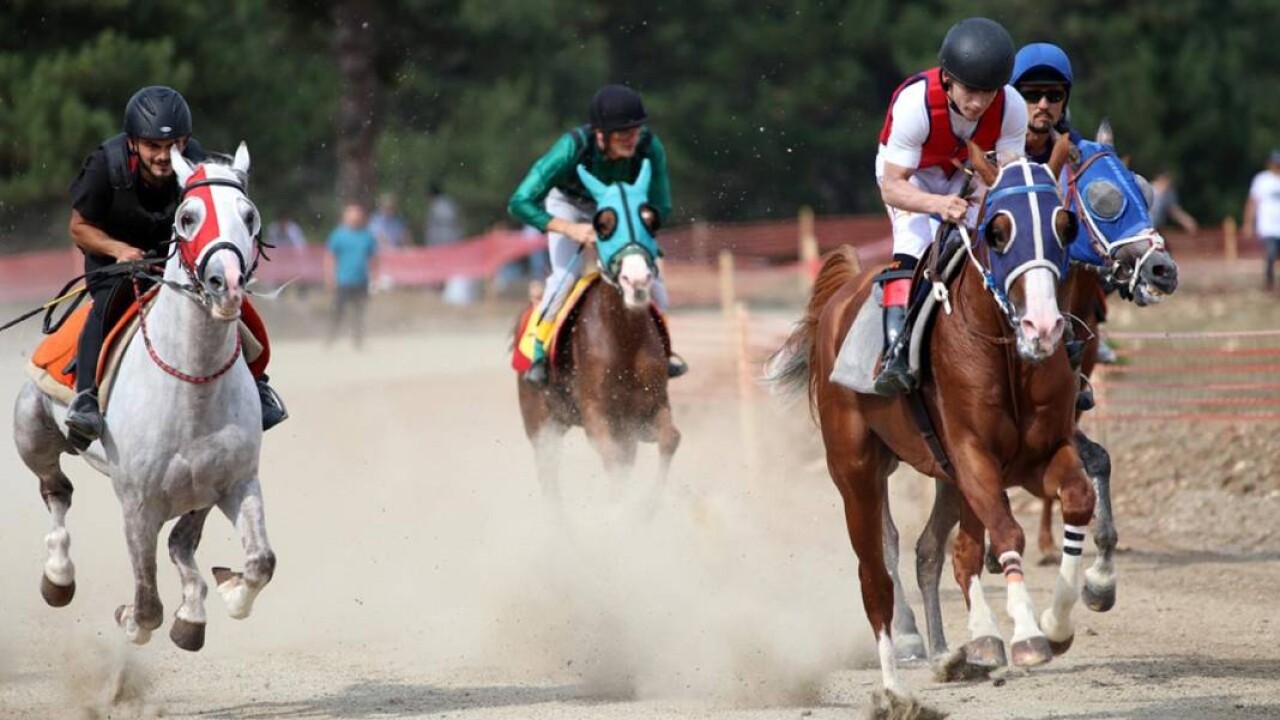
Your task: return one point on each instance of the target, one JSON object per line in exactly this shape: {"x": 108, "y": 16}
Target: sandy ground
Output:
{"x": 421, "y": 575}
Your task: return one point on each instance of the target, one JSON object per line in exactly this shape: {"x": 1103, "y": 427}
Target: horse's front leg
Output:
{"x": 985, "y": 505}
{"x": 243, "y": 507}
{"x": 601, "y": 434}
{"x": 668, "y": 442}
{"x": 985, "y": 649}
{"x": 1077, "y": 508}
{"x": 1100, "y": 579}
{"x": 142, "y": 528}
{"x": 187, "y": 631}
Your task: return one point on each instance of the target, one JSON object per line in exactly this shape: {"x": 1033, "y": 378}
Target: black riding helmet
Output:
{"x": 616, "y": 107}
{"x": 979, "y": 53}
{"x": 157, "y": 113}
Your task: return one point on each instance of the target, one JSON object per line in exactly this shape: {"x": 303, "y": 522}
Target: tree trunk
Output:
{"x": 357, "y": 122}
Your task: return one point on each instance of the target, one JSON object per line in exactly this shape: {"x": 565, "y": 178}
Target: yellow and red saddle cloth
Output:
{"x": 526, "y": 346}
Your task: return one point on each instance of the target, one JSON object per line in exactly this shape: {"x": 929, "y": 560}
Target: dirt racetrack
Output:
{"x": 421, "y": 575}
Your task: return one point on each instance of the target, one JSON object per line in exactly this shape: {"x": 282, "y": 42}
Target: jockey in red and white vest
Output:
{"x": 931, "y": 116}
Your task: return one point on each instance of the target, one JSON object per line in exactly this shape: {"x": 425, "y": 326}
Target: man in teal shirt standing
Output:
{"x": 351, "y": 261}
{"x": 552, "y": 199}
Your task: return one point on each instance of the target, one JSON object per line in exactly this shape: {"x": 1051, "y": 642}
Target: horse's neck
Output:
{"x": 1083, "y": 288}
{"x": 626, "y": 325}
{"x": 183, "y": 332}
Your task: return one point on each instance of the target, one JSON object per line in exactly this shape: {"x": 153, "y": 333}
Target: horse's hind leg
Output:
{"x": 547, "y": 444}
{"x": 1100, "y": 580}
{"x": 931, "y": 551}
{"x": 854, "y": 459}
{"x": 187, "y": 631}
{"x": 146, "y": 613}
{"x": 907, "y": 641}
{"x": 40, "y": 444}
{"x": 243, "y": 507}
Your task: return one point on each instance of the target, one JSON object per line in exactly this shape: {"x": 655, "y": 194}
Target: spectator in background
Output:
{"x": 387, "y": 226}
{"x": 1262, "y": 214}
{"x": 1165, "y": 207}
{"x": 285, "y": 234}
{"x": 444, "y": 221}
{"x": 350, "y": 262}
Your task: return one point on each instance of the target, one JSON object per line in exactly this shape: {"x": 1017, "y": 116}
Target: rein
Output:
{"x": 171, "y": 370}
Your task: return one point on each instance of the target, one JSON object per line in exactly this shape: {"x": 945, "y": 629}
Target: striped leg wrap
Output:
{"x": 1073, "y": 539}
{"x": 1011, "y": 564}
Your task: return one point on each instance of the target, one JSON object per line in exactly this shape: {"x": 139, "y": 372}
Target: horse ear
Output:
{"x": 642, "y": 180}
{"x": 986, "y": 171}
{"x": 1105, "y": 134}
{"x": 596, "y": 188}
{"x": 181, "y": 167}
{"x": 1058, "y": 158}
{"x": 241, "y": 161}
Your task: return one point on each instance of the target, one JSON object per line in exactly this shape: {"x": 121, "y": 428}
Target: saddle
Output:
{"x": 859, "y": 358}
{"x": 53, "y": 364}
{"x": 522, "y": 357}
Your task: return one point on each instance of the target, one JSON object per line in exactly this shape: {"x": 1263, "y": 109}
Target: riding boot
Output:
{"x": 895, "y": 371}
{"x": 539, "y": 373}
{"x": 1084, "y": 398}
{"x": 84, "y": 419}
{"x": 273, "y": 410}
{"x": 1106, "y": 355}
{"x": 676, "y": 366}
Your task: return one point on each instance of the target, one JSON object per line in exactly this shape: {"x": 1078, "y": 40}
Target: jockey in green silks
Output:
{"x": 553, "y": 199}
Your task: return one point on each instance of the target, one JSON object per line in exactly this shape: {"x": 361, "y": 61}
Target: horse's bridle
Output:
{"x": 195, "y": 289}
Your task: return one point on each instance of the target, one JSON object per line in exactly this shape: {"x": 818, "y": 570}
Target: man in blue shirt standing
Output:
{"x": 351, "y": 261}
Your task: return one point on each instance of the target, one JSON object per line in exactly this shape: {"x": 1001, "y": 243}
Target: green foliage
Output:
{"x": 763, "y": 106}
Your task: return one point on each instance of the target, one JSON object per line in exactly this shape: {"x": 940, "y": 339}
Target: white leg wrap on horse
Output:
{"x": 1021, "y": 609}
{"x": 889, "y": 665}
{"x": 238, "y": 596}
{"x": 982, "y": 621}
{"x": 58, "y": 567}
{"x": 1056, "y": 620}
{"x": 134, "y": 632}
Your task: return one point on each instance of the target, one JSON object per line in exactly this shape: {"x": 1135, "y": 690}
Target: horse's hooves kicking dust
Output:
{"x": 887, "y": 705}
{"x": 985, "y": 652}
{"x": 956, "y": 667}
{"x": 56, "y": 595}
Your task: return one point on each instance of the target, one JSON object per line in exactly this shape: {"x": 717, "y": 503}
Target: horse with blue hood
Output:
{"x": 608, "y": 360}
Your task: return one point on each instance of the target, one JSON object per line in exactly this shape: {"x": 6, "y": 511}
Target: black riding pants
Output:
{"x": 111, "y": 298}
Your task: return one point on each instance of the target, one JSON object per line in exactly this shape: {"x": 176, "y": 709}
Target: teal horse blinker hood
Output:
{"x": 620, "y": 226}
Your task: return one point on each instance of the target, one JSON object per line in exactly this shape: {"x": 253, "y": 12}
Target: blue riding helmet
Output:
{"x": 620, "y": 228}
{"x": 1111, "y": 203}
{"x": 1042, "y": 63}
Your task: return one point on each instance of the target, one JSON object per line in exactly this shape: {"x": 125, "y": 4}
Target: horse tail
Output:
{"x": 790, "y": 368}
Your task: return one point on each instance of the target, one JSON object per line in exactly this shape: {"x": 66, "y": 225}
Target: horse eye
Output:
{"x": 999, "y": 234}
{"x": 649, "y": 217}
{"x": 186, "y": 221}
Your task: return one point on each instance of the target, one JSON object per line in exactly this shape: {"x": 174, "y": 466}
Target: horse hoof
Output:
{"x": 187, "y": 635}
{"x": 1060, "y": 647}
{"x": 1099, "y": 600}
{"x": 985, "y": 652}
{"x": 1032, "y": 651}
{"x": 955, "y": 667}
{"x": 910, "y": 647}
{"x": 56, "y": 595}
{"x": 222, "y": 575}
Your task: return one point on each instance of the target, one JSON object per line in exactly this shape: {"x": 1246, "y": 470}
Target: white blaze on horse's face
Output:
{"x": 217, "y": 227}
{"x": 636, "y": 278}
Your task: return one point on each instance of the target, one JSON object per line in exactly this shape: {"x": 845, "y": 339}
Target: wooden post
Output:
{"x": 1229, "y": 249}
{"x": 701, "y": 242}
{"x": 746, "y": 388}
{"x": 808, "y": 249}
{"x": 726, "y": 284}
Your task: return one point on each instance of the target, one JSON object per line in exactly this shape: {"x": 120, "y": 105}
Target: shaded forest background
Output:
{"x": 763, "y": 106}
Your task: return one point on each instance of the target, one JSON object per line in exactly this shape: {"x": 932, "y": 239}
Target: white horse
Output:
{"x": 184, "y": 424}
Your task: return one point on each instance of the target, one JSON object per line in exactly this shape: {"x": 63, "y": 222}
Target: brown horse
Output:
{"x": 1004, "y": 416}
{"x": 1121, "y": 249}
{"x": 610, "y": 377}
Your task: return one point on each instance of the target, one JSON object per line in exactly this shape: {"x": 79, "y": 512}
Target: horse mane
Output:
{"x": 221, "y": 159}
{"x": 789, "y": 368}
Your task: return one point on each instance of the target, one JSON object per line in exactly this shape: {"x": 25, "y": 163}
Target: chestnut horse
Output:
{"x": 609, "y": 374}
{"x": 1001, "y": 394}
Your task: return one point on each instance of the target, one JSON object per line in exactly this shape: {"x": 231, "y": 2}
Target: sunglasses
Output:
{"x": 1034, "y": 96}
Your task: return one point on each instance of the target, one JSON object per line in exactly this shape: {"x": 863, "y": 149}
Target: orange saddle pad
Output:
{"x": 54, "y": 356}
